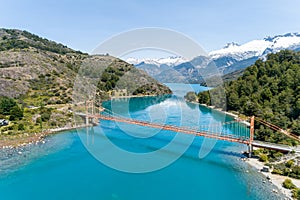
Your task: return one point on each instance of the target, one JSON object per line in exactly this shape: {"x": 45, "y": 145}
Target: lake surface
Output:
{"x": 75, "y": 164}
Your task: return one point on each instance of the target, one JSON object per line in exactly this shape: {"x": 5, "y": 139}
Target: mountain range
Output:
{"x": 231, "y": 58}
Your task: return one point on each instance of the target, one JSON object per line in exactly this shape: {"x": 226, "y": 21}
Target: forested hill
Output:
{"x": 268, "y": 89}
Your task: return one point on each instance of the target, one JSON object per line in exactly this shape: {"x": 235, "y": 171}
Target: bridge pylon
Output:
{"x": 89, "y": 110}
{"x": 250, "y": 147}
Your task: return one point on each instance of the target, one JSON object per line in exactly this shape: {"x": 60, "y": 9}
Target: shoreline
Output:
{"x": 136, "y": 96}
{"x": 131, "y": 96}
{"x": 235, "y": 116}
{"x": 275, "y": 179}
{"x": 34, "y": 138}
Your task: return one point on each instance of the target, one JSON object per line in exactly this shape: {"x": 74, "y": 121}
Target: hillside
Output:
{"x": 270, "y": 90}
{"x": 38, "y": 77}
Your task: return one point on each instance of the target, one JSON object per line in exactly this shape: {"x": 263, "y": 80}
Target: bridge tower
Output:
{"x": 89, "y": 106}
{"x": 250, "y": 147}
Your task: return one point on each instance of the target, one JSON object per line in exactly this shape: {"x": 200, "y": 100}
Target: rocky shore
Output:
{"x": 275, "y": 179}
{"x": 25, "y": 139}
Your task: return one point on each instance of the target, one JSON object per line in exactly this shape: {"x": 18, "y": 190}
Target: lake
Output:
{"x": 122, "y": 161}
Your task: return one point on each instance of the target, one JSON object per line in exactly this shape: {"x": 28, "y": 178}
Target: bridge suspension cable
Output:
{"x": 276, "y": 128}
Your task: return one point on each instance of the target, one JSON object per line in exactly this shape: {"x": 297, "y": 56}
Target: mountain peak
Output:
{"x": 231, "y": 44}
{"x": 170, "y": 61}
{"x": 287, "y": 35}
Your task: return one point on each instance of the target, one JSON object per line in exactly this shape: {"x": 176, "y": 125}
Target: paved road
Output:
{"x": 279, "y": 147}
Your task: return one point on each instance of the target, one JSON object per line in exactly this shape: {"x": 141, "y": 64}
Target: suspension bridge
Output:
{"x": 233, "y": 131}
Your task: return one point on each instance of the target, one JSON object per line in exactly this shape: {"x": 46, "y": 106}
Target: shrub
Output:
{"x": 277, "y": 171}
{"x": 45, "y": 116}
{"x": 21, "y": 127}
{"x": 263, "y": 158}
{"x": 289, "y": 163}
{"x": 288, "y": 184}
{"x": 296, "y": 193}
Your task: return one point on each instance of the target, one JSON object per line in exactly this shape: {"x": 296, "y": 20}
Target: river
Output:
{"x": 71, "y": 165}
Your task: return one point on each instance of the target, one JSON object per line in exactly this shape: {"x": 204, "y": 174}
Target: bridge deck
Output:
{"x": 218, "y": 136}
{"x": 278, "y": 147}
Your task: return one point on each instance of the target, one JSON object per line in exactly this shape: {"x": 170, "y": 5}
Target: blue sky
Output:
{"x": 83, "y": 24}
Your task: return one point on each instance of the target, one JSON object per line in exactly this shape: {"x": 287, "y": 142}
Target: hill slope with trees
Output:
{"x": 270, "y": 90}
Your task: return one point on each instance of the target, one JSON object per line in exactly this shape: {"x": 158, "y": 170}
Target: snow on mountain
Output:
{"x": 232, "y": 57}
{"x": 248, "y": 50}
{"x": 286, "y": 41}
{"x": 256, "y": 48}
{"x": 170, "y": 61}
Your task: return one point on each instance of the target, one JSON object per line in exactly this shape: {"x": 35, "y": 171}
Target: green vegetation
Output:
{"x": 266, "y": 155}
{"x": 191, "y": 97}
{"x": 122, "y": 76}
{"x": 263, "y": 158}
{"x": 15, "y": 40}
{"x": 288, "y": 184}
{"x": 233, "y": 75}
{"x": 289, "y": 163}
{"x": 287, "y": 169}
{"x": 270, "y": 90}
{"x": 8, "y": 107}
{"x": 36, "y": 95}
{"x": 296, "y": 193}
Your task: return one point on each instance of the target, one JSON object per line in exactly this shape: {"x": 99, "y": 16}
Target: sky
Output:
{"x": 84, "y": 24}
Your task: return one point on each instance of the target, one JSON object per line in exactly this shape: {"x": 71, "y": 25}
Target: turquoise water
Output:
{"x": 64, "y": 168}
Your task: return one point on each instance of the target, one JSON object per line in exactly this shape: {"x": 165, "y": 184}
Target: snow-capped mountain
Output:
{"x": 235, "y": 57}
{"x": 170, "y": 61}
{"x": 230, "y": 58}
{"x": 258, "y": 47}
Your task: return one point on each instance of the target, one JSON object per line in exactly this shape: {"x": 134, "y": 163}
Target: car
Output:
{"x": 4, "y": 122}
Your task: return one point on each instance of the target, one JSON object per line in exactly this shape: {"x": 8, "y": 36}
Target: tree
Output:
{"x": 191, "y": 97}
{"x": 233, "y": 101}
{"x": 296, "y": 126}
{"x": 16, "y": 113}
{"x": 204, "y": 98}
{"x": 6, "y": 104}
{"x": 268, "y": 89}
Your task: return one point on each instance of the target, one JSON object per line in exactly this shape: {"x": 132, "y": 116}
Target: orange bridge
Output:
{"x": 233, "y": 131}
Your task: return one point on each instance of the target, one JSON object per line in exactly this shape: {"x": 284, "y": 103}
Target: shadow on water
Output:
{"x": 192, "y": 106}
